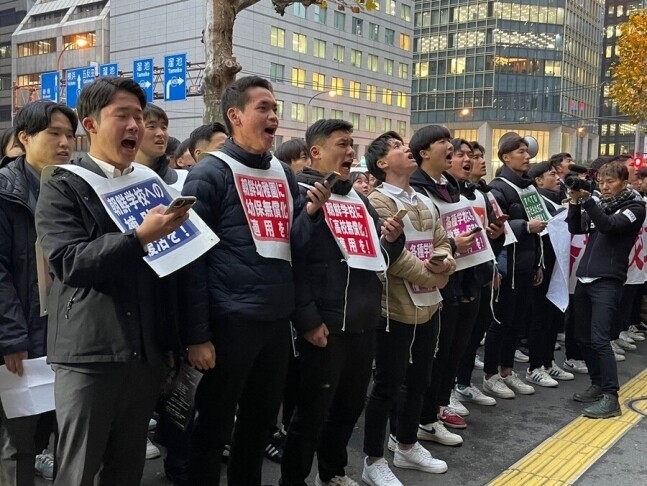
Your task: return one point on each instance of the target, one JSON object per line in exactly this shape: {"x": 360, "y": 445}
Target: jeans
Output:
{"x": 595, "y": 305}
{"x": 331, "y": 398}
{"x": 403, "y": 356}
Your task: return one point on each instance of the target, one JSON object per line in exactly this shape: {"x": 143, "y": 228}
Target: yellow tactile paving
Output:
{"x": 561, "y": 459}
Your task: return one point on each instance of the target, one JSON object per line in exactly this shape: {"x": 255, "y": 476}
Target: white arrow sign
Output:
{"x": 145, "y": 84}
{"x": 172, "y": 83}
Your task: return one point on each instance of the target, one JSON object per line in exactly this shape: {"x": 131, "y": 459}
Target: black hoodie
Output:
{"x": 523, "y": 256}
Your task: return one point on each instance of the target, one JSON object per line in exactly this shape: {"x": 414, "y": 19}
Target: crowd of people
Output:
{"x": 334, "y": 290}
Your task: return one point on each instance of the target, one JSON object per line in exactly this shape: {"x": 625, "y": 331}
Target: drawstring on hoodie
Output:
{"x": 495, "y": 275}
{"x": 440, "y": 308}
{"x": 541, "y": 253}
{"x": 343, "y": 327}
{"x": 293, "y": 338}
{"x": 413, "y": 340}
{"x": 386, "y": 284}
{"x": 514, "y": 262}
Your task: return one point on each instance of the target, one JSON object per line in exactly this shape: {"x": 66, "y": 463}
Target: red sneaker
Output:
{"x": 451, "y": 418}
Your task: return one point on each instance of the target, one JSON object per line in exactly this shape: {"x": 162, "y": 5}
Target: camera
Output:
{"x": 575, "y": 183}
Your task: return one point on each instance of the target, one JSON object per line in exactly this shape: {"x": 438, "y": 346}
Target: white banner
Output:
{"x": 560, "y": 238}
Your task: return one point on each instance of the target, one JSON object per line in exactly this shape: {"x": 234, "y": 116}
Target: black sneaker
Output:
{"x": 225, "y": 454}
{"x": 606, "y": 407}
{"x": 274, "y": 449}
{"x": 591, "y": 394}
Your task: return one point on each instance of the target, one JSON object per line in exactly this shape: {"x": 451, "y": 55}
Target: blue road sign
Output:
{"x": 109, "y": 69}
{"x": 49, "y": 86}
{"x": 175, "y": 77}
{"x": 143, "y": 74}
{"x": 75, "y": 81}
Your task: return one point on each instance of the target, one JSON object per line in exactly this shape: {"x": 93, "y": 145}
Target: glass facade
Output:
{"x": 514, "y": 62}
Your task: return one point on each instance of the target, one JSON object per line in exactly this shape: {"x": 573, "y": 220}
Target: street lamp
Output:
{"x": 332, "y": 93}
{"x": 79, "y": 42}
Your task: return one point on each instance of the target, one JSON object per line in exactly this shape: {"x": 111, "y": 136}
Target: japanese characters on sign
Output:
{"x": 109, "y": 70}
{"x": 266, "y": 206}
{"x": 349, "y": 222}
{"x": 175, "y": 77}
{"x": 461, "y": 221}
{"x": 423, "y": 249}
{"x": 130, "y": 205}
{"x": 143, "y": 75}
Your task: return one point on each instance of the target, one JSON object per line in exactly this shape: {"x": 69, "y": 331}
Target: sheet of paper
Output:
{"x": 29, "y": 394}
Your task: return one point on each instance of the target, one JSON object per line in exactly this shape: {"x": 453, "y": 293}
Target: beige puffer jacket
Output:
{"x": 409, "y": 267}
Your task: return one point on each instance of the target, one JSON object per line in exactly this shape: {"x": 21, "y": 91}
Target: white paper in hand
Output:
{"x": 29, "y": 394}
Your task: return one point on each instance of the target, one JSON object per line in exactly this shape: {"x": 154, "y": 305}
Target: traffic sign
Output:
{"x": 75, "y": 81}
{"x": 143, "y": 74}
{"x": 109, "y": 69}
{"x": 175, "y": 77}
{"x": 49, "y": 86}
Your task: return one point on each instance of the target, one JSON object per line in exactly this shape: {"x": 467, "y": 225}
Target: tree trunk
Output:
{"x": 220, "y": 64}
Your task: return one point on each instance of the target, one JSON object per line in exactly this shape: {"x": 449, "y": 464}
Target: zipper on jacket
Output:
{"x": 70, "y": 303}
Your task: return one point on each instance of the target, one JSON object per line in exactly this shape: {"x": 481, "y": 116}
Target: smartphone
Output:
{"x": 502, "y": 219}
{"x": 401, "y": 213}
{"x": 331, "y": 178}
{"x": 439, "y": 257}
{"x": 473, "y": 231}
{"x": 180, "y": 202}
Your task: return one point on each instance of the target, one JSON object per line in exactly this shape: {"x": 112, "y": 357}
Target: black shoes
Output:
{"x": 591, "y": 394}
{"x": 606, "y": 407}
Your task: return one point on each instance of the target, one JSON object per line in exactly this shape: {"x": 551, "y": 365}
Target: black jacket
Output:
{"x": 611, "y": 236}
{"x": 523, "y": 256}
{"x": 106, "y": 304}
{"x": 21, "y": 327}
{"x": 162, "y": 169}
{"x": 233, "y": 281}
{"x": 326, "y": 286}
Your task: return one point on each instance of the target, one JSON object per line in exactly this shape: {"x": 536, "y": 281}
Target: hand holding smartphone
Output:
{"x": 331, "y": 178}
{"x": 502, "y": 219}
{"x": 438, "y": 258}
{"x": 180, "y": 203}
{"x": 401, "y": 213}
{"x": 473, "y": 231}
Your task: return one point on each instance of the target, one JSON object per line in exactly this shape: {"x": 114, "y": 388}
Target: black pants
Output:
{"x": 403, "y": 356}
{"x": 456, "y": 323}
{"x": 571, "y": 348}
{"x": 595, "y": 305}
{"x": 483, "y": 319}
{"x": 545, "y": 322}
{"x": 637, "y": 305}
{"x": 501, "y": 338}
{"x": 331, "y": 398}
{"x": 623, "y": 315}
{"x": 251, "y": 364}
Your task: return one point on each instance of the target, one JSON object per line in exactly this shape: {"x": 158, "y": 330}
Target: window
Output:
{"x": 387, "y": 96}
{"x": 278, "y": 140}
{"x": 356, "y": 58}
{"x": 371, "y": 121}
{"x": 405, "y": 13}
{"x": 389, "y": 37}
{"x": 319, "y": 49}
{"x": 277, "y": 37}
{"x": 298, "y": 78}
{"x": 298, "y": 112}
{"x": 401, "y": 100}
{"x": 316, "y": 114}
{"x": 300, "y": 43}
{"x": 403, "y": 71}
{"x": 340, "y": 21}
{"x": 70, "y": 41}
{"x": 299, "y": 10}
{"x": 355, "y": 88}
{"x": 279, "y": 109}
{"x": 28, "y": 79}
{"x": 357, "y": 26}
{"x": 373, "y": 31}
{"x": 88, "y": 10}
{"x": 338, "y": 53}
{"x": 388, "y": 67}
{"x": 405, "y": 42}
{"x": 337, "y": 85}
{"x": 371, "y": 93}
{"x": 372, "y": 62}
{"x": 402, "y": 128}
{"x": 390, "y": 7}
{"x": 5, "y": 50}
{"x": 318, "y": 82}
{"x": 277, "y": 73}
{"x": 353, "y": 118}
{"x": 337, "y": 115}
{"x": 386, "y": 125}
{"x": 320, "y": 14}
{"x": 36, "y": 48}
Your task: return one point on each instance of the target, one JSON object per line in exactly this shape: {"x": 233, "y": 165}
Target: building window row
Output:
{"x": 300, "y": 41}
{"x": 49, "y": 18}
{"x": 70, "y": 41}
{"x": 36, "y": 48}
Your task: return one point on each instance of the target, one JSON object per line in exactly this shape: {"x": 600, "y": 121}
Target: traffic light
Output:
{"x": 638, "y": 162}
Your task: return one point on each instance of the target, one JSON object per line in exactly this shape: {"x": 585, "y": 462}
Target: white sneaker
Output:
{"x": 437, "y": 432}
{"x": 616, "y": 348}
{"x": 559, "y": 374}
{"x": 576, "y": 366}
{"x": 619, "y": 357}
{"x": 520, "y": 357}
{"x": 152, "y": 452}
{"x": 624, "y": 336}
{"x": 471, "y": 394}
{"x": 557, "y": 346}
{"x": 633, "y": 333}
{"x": 152, "y": 424}
{"x": 379, "y": 474}
{"x": 538, "y": 376}
{"x": 561, "y": 337}
{"x": 418, "y": 458}
{"x": 497, "y": 387}
{"x": 626, "y": 345}
{"x": 344, "y": 481}
{"x": 457, "y": 406}
{"x": 478, "y": 364}
{"x": 392, "y": 444}
{"x": 515, "y": 384}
